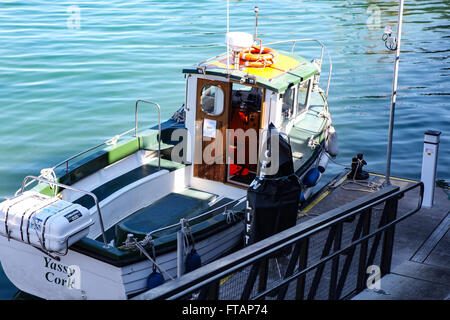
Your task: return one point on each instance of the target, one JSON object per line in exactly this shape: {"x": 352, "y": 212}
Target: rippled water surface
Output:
{"x": 71, "y": 71}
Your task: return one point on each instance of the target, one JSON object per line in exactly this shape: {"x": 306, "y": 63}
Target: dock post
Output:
{"x": 429, "y": 164}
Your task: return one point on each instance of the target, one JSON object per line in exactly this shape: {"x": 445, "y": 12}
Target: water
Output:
{"x": 67, "y": 83}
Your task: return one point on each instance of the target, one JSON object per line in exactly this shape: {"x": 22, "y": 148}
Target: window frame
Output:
{"x": 308, "y": 96}
{"x": 223, "y": 101}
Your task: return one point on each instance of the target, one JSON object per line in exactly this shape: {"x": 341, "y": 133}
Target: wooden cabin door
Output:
{"x": 212, "y": 116}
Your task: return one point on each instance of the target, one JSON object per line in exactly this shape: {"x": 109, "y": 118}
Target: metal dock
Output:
{"x": 352, "y": 241}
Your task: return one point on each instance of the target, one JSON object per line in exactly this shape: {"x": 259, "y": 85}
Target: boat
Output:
{"x": 152, "y": 204}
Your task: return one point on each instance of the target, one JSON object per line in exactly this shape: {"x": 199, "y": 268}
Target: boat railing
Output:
{"x": 114, "y": 139}
{"x": 39, "y": 179}
{"x": 222, "y": 208}
{"x": 201, "y": 67}
{"x": 158, "y": 108}
{"x": 323, "y": 50}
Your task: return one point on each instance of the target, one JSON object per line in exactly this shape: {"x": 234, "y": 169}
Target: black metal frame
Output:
{"x": 204, "y": 283}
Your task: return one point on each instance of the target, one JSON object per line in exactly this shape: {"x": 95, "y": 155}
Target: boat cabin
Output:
{"x": 229, "y": 106}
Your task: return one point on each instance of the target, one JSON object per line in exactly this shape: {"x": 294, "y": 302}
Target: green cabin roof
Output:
{"x": 289, "y": 69}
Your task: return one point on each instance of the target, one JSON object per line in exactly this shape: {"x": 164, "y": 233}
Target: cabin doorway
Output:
{"x": 227, "y": 155}
{"x": 243, "y": 138}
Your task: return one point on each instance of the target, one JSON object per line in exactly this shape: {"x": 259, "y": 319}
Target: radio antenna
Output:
{"x": 256, "y": 22}
{"x": 228, "y": 30}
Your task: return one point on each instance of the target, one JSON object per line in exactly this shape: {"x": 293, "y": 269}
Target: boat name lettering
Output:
{"x": 50, "y": 264}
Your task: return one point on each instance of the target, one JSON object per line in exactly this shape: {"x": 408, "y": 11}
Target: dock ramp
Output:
{"x": 332, "y": 254}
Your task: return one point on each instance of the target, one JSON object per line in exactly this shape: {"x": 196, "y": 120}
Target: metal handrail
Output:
{"x": 159, "y": 126}
{"x": 24, "y": 184}
{"x": 294, "y": 41}
{"x": 221, "y": 269}
{"x": 114, "y": 139}
{"x": 236, "y": 201}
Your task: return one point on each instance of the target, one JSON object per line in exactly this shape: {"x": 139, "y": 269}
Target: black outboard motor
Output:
{"x": 273, "y": 199}
{"x": 357, "y": 172}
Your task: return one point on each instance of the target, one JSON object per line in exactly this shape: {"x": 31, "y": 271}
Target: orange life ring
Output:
{"x": 257, "y": 58}
{"x": 256, "y": 64}
{"x": 255, "y": 53}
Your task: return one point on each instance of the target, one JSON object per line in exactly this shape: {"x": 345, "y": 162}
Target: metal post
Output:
{"x": 180, "y": 251}
{"x": 256, "y": 22}
{"x": 394, "y": 94}
{"x": 429, "y": 164}
{"x": 388, "y": 241}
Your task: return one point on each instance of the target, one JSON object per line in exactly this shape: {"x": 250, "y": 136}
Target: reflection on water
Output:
{"x": 70, "y": 74}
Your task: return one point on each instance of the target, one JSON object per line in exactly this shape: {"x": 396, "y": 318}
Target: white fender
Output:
{"x": 331, "y": 144}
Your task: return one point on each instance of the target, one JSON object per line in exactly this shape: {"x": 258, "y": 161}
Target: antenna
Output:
{"x": 228, "y": 30}
{"x": 256, "y": 22}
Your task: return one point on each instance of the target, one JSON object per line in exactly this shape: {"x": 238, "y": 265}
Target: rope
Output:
{"x": 131, "y": 243}
{"x": 313, "y": 143}
{"x": 180, "y": 115}
{"x": 372, "y": 186}
{"x": 187, "y": 235}
{"x": 230, "y": 216}
{"x": 155, "y": 265}
{"x": 47, "y": 174}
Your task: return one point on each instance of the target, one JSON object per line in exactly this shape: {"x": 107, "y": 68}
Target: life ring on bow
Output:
{"x": 257, "y": 58}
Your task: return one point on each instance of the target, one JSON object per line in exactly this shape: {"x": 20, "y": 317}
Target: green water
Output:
{"x": 66, "y": 86}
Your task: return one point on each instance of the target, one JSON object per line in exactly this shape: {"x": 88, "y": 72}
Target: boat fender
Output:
{"x": 302, "y": 197}
{"x": 312, "y": 176}
{"x": 154, "y": 279}
{"x": 193, "y": 261}
{"x": 323, "y": 162}
{"x": 331, "y": 143}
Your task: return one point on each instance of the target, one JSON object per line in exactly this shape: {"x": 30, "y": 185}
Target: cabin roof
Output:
{"x": 288, "y": 70}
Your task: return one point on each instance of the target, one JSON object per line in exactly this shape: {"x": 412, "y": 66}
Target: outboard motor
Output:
{"x": 272, "y": 200}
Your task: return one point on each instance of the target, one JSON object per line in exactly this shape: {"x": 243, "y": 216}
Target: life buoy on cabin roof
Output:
{"x": 258, "y": 58}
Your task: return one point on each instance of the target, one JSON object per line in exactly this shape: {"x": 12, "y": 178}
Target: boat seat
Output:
{"x": 108, "y": 188}
{"x": 165, "y": 212}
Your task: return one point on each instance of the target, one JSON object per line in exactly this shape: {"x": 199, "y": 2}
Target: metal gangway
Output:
{"x": 330, "y": 256}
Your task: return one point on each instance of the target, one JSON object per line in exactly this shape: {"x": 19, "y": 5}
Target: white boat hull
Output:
{"x": 78, "y": 276}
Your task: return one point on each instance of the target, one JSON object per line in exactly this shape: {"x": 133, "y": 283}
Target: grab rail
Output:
{"x": 24, "y": 184}
{"x": 323, "y": 48}
{"x": 114, "y": 139}
{"x": 159, "y": 126}
{"x": 236, "y": 202}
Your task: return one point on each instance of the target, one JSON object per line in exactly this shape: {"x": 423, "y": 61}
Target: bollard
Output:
{"x": 429, "y": 164}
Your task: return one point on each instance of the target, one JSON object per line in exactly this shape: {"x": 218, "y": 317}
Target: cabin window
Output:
{"x": 212, "y": 100}
{"x": 303, "y": 96}
{"x": 246, "y": 97}
{"x": 288, "y": 103}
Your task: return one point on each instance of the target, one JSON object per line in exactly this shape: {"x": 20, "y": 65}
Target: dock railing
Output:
{"x": 327, "y": 257}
